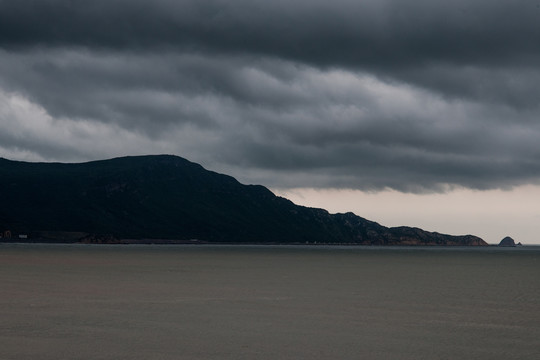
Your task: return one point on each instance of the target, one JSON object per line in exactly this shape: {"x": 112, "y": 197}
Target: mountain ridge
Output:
{"x": 171, "y": 198}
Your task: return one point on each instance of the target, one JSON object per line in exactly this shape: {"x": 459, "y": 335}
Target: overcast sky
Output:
{"x": 416, "y": 96}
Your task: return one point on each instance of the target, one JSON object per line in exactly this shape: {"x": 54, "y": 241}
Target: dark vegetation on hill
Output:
{"x": 168, "y": 197}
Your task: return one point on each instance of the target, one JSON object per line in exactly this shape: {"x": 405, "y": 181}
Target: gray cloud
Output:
{"x": 416, "y": 96}
{"x": 343, "y": 32}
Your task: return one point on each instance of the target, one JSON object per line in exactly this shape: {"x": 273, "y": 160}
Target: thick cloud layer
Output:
{"x": 415, "y": 96}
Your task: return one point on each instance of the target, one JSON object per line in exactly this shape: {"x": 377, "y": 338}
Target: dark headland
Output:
{"x": 169, "y": 199}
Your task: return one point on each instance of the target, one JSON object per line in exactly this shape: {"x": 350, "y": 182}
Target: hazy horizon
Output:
{"x": 460, "y": 212}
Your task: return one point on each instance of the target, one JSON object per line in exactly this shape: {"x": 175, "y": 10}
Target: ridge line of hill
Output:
{"x": 170, "y": 198}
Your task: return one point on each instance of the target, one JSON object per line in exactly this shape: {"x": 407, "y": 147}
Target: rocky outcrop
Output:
{"x": 507, "y": 241}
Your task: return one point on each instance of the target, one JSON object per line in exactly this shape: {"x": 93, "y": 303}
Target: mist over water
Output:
{"x": 268, "y": 302}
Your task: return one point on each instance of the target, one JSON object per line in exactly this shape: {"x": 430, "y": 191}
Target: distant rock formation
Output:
{"x": 507, "y": 241}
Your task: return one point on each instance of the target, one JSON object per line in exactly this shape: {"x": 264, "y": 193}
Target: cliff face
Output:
{"x": 167, "y": 197}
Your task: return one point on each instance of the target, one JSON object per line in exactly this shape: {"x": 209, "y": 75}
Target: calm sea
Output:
{"x": 268, "y": 302}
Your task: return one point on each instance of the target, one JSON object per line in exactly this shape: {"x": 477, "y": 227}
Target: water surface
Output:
{"x": 268, "y": 302}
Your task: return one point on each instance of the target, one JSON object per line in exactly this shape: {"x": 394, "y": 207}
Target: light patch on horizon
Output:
{"x": 491, "y": 214}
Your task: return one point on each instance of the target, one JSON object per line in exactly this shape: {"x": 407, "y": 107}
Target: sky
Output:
{"x": 419, "y": 112}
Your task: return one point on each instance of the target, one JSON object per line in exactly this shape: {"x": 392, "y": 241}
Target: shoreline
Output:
{"x": 199, "y": 243}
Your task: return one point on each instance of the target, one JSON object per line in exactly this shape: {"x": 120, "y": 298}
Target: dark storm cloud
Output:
{"x": 342, "y": 32}
{"x": 415, "y": 96}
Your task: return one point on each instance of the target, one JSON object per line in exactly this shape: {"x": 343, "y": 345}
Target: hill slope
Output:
{"x": 168, "y": 197}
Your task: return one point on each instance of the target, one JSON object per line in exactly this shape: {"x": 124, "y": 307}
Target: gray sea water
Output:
{"x": 268, "y": 302}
